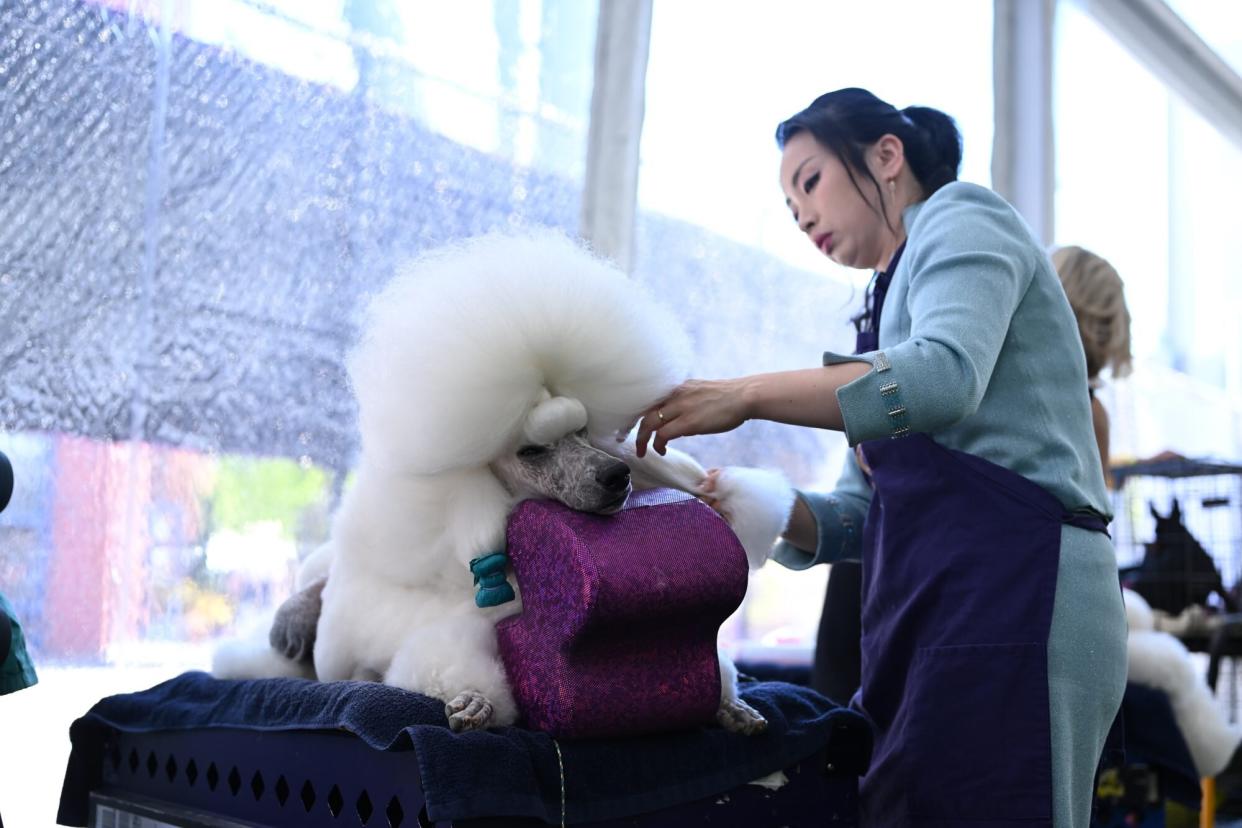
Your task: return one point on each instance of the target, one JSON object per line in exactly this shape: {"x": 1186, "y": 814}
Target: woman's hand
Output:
{"x": 695, "y": 407}
{"x": 806, "y": 397}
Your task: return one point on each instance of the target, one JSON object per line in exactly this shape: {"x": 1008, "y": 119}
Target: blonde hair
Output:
{"x": 1096, "y": 294}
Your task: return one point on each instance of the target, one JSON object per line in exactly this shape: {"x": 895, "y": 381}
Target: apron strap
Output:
{"x": 1090, "y": 521}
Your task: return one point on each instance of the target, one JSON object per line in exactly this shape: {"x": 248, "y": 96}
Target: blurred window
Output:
{"x": 197, "y": 196}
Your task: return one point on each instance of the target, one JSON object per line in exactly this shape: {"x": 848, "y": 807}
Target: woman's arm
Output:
{"x": 802, "y": 530}
{"x": 972, "y": 266}
{"x": 827, "y": 527}
{"x": 1099, "y": 423}
{"x": 806, "y": 397}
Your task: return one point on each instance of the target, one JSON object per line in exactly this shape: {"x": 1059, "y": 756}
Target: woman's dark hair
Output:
{"x": 848, "y": 121}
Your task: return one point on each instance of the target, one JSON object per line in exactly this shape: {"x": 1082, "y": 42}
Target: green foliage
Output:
{"x": 250, "y": 489}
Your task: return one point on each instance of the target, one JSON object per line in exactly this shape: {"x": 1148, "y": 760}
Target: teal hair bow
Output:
{"x": 492, "y": 589}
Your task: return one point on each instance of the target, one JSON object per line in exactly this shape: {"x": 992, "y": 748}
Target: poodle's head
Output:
{"x": 569, "y": 470}
{"x": 476, "y": 344}
{"x": 553, "y": 458}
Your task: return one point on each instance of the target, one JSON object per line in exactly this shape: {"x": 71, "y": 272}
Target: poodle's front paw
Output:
{"x": 469, "y": 711}
{"x": 737, "y": 716}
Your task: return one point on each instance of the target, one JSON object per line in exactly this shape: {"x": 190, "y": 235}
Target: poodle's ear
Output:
{"x": 1152, "y": 508}
{"x": 553, "y": 418}
{"x": 1175, "y": 514}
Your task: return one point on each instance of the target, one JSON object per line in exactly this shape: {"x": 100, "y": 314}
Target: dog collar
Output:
{"x": 492, "y": 589}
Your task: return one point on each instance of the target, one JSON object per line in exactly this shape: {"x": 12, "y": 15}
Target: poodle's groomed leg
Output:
{"x": 293, "y": 629}
{"x": 455, "y": 660}
{"x": 734, "y": 714}
{"x": 676, "y": 469}
{"x": 739, "y": 717}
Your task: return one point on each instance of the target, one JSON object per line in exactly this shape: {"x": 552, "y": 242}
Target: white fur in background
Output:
{"x": 1139, "y": 616}
{"x": 1160, "y": 661}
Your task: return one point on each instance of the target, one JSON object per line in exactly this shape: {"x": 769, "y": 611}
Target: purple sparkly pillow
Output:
{"x": 617, "y": 635}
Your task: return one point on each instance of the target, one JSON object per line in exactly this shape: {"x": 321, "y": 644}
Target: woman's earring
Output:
{"x": 892, "y": 188}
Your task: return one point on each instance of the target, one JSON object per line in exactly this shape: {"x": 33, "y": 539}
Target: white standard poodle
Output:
{"x": 489, "y": 372}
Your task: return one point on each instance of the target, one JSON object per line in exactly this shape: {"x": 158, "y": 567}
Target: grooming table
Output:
{"x": 196, "y": 751}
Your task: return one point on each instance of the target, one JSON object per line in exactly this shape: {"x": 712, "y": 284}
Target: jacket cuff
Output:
{"x": 871, "y": 405}
{"x": 838, "y": 535}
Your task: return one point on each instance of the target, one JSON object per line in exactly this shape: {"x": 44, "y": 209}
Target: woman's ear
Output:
{"x": 888, "y": 155}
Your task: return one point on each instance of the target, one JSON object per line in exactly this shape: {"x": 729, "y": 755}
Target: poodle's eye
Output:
{"x": 531, "y": 452}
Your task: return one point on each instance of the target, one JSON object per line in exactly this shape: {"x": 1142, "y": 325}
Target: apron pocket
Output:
{"x": 978, "y": 728}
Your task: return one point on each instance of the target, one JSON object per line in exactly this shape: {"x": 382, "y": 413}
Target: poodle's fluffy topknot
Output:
{"x": 465, "y": 341}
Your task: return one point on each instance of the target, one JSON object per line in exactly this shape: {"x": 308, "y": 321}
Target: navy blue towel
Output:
{"x": 507, "y": 771}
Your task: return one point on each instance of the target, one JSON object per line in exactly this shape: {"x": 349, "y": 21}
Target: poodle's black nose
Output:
{"x": 614, "y": 477}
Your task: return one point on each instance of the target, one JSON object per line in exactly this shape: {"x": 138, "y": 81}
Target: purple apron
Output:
{"x": 959, "y": 574}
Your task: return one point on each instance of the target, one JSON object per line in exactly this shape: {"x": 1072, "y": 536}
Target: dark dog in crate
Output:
{"x": 1177, "y": 571}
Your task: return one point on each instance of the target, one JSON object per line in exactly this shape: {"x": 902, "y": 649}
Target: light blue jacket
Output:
{"x": 978, "y": 348}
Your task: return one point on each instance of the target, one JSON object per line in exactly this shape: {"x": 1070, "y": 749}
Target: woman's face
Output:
{"x": 827, "y": 206}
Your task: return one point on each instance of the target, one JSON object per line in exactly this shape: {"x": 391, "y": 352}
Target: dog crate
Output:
{"x": 1189, "y": 512}
{"x": 1205, "y": 498}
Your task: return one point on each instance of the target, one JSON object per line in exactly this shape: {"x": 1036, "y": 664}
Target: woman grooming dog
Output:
{"x": 993, "y": 631}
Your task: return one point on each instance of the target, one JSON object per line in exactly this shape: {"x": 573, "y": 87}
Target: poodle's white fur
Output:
{"x": 471, "y": 352}
{"x": 1159, "y": 660}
